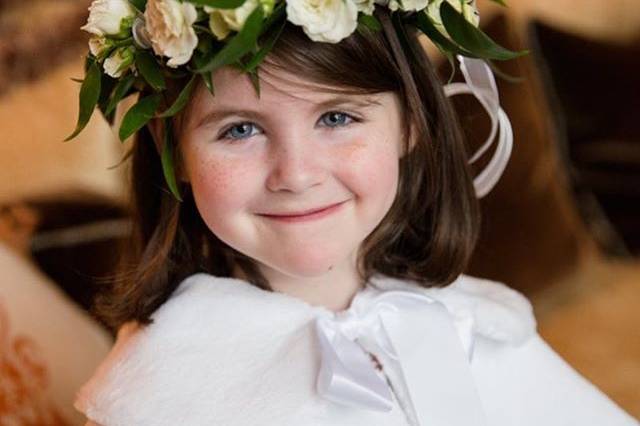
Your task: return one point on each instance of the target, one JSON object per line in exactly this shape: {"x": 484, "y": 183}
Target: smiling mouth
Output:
{"x": 305, "y": 215}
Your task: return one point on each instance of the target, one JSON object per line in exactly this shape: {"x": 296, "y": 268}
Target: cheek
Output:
{"x": 220, "y": 186}
{"x": 371, "y": 170}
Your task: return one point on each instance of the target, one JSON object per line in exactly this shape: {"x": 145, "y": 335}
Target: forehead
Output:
{"x": 278, "y": 89}
{"x": 233, "y": 85}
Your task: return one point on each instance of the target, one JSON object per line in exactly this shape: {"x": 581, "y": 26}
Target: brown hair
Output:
{"x": 428, "y": 234}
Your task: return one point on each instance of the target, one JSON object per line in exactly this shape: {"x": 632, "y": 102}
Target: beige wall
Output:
{"x": 615, "y": 20}
{"x": 34, "y": 162}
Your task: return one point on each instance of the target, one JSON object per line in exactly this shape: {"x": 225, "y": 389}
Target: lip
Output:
{"x": 306, "y": 215}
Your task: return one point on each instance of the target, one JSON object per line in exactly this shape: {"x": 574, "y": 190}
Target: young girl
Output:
{"x": 300, "y": 235}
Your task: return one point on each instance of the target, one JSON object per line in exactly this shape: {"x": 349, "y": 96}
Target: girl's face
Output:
{"x": 291, "y": 150}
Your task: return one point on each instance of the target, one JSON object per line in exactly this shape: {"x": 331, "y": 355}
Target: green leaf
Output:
{"x": 206, "y": 77}
{"x": 167, "y": 161}
{"x": 107, "y": 85}
{"x": 369, "y": 21}
{"x": 88, "y": 60}
{"x": 500, "y": 2}
{"x": 219, "y": 4}
{"x": 278, "y": 12}
{"x": 255, "y": 80}
{"x": 471, "y": 38}
{"x": 120, "y": 91}
{"x": 503, "y": 75}
{"x": 200, "y": 60}
{"x": 138, "y": 115}
{"x": 424, "y": 24}
{"x": 452, "y": 63}
{"x": 242, "y": 43}
{"x": 89, "y": 95}
{"x": 181, "y": 100}
{"x": 139, "y": 4}
{"x": 207, "y": 47}
{"x": 265, "y": 49}
{"x": 150, "y": 70}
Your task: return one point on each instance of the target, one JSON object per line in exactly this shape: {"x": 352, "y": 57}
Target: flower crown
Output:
{"x": 136, "y": 45}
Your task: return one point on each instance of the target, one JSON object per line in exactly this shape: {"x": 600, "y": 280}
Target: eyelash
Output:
{"x": 224, "y": 134}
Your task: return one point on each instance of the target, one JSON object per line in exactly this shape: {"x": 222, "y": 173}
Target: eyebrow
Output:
{"x": 221, "y": 113}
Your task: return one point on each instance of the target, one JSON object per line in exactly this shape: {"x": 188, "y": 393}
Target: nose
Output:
{"x": 296, "y": 164}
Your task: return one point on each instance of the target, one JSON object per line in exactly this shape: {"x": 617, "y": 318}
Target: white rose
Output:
{"x": 100, "y": 46}
{"x": 366, "y": 6}
{"x": 222, "y": 21}
{"x": 466, "y": 7}
{"x": 408, "y": 5}
{"x": 119, "y": 61}
{"x": 324, "y": 20}
{"x": 109, "y": 17}
{"x": 170, "y": 27}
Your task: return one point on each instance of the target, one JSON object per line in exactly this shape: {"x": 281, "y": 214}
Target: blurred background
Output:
{"x": 562, "y": 225}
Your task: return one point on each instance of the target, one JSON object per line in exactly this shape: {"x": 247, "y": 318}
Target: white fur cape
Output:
{"x": 223, "y": 352}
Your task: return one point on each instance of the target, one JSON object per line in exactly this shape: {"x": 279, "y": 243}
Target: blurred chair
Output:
{"x": 49, "y": 346}
{"x": 61, "y": 216}
{"x": 595, "y": 90}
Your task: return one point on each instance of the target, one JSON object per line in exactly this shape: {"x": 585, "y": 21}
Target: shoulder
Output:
{"x": 491, "y": 308}
{"x": 520, "y": 378}
{"x": 534, "y": 383}
{"x": 211, "y": 330}
{"x": 516, "y": 368}
{"x": 500, "y": 312}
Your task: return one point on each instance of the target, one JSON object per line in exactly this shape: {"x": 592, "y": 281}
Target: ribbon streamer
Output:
{"x": 481, "y": 83}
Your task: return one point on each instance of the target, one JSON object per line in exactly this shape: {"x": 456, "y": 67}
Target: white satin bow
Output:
{"x": 432, "y": 347}
{"x": 481, "y": 83}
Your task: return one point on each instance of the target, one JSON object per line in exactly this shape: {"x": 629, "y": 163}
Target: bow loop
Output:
{"x": 347, "y": 375}
{"x": 353, "y": 324}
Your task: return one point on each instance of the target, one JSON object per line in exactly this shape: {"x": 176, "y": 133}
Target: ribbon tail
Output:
{"x": 435, "y": 366}
{"x": 487, "y": 178}
{"x": 481, "y": 83}
{"x": 479, "y": 78}
{"x": 347, "y": 375}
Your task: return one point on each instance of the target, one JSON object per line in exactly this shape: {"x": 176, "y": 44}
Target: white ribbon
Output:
{"x": 481, "y": 83}
{"x": 430, "y": 346}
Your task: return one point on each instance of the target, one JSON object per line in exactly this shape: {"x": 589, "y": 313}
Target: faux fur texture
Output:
{"x": 223, "y": 352}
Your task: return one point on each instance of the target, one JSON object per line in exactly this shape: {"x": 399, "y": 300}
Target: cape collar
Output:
{"x": 220, "y": 338}
{"x": 407, "y": 321}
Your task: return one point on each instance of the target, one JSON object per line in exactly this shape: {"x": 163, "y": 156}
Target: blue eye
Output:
{"x": 244, "y": 131}
{"x": 336, "y": 118}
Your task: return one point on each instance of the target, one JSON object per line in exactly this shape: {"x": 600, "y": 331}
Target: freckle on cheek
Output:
{"x": 213, "y": 174}
{"x": 355, "y": 147}
{"x": 223, "y": 176}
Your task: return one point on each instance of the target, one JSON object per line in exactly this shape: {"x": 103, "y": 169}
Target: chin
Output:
{"x": 304, "y": 265}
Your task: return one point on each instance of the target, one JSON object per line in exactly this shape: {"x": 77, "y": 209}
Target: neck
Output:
{"x": 333, "y": 290}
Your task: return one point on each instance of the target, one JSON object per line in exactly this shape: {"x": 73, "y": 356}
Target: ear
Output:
{"x": 156, "y": 128}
